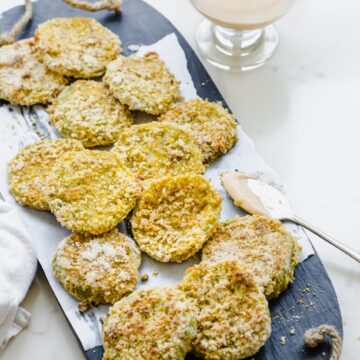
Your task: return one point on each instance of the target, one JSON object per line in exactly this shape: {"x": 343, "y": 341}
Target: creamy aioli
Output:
{"x": 236, "y": 185}
{"x": 243, "y": 14}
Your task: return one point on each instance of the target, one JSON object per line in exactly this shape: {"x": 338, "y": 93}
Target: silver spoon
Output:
{"x": 259, "y": 198}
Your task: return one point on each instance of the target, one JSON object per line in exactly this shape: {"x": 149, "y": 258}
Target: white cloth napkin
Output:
{"x": 17, "y": 270}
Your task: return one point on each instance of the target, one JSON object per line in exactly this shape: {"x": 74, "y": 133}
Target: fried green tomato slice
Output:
{"x": 28, "y": 170}
{"x": 25, "y": 80}
{"x": 150, "y": 324}
{"x": 233, "y": 315}
{"x": 90, "y": 191}
{"x": 262, "y": 244}
{"x": 97, "y": 269}
{"x": 86, "y": 111}
{"x": 156, "y": 150}
{"x": 175, "y": 216}
{"x": 142, "y": 83}
{"x": 78, "y": 47}
{"x": 211, "y": 125}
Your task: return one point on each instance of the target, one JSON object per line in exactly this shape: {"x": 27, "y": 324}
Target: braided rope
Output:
{"x": 10, "y": 37}
{"x": 316, "y": 336}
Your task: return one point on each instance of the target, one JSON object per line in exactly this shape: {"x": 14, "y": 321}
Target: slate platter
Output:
{"x": 311, "y": 300}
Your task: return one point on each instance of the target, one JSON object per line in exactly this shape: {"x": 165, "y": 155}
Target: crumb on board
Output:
{"x": 144, "y": 277}
{"x": 155, "y": 273}
{"x": 311, "y": 303}
{"x": 282, "y": 340}
{"x": 292, "y": 331}
{"x": 304, "y": 304}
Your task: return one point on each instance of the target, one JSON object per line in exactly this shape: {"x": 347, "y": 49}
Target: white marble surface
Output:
{"x": 302, "y": 109}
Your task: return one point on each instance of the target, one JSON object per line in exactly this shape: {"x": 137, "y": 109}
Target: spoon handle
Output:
{"x": 330, "y": 240}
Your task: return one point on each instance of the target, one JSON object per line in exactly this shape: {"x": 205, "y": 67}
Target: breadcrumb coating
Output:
{"x": 156, "y": 150}
{"x": 233, "y": 315}
{"x": 91, "y": 191}
{"x": 79, "y": 47}
{"x": 97, "y": 269}
{"x": 175, "y": 216}
{"x": 150, "y": 324}
{"x": 27, "y": 171}
{"x": 142, "y": 83}
{"x": 260, "y": 243}
{"x": 25, "y": 80}
{"x": 86, "y": 111}
{"x": 211, "y": 125}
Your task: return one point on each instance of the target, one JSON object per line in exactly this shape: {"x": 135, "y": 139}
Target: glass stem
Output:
{"x": 236, "y": 42}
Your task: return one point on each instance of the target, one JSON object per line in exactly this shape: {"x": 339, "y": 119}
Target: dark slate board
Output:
{"x": 311, "y": 300}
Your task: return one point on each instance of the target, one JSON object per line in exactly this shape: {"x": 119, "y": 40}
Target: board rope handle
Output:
{"x": 315, "y": 336}
{"x": 10, "y": 37}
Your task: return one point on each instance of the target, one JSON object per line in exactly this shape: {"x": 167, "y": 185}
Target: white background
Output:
{"x": 303, "y": 112}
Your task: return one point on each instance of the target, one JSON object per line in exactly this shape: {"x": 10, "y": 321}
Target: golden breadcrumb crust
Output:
{"x": 25, "y": 80}
{"x": 28, "y": 169}
{"x": 233, "y": 315}
{"x": 156, "y": 150}
{"x": 211, "y": 125}
{"x": 175, "y": 216}
{"x": 90, "y": 191}
{"x": 142, "y": 83}
{"x": 260, "y": 243}
{"x": 150, "y": 324}
{"x": 86, "y": 111}
{"x": 97, "y": 269}
{"x": 78, "y": 47}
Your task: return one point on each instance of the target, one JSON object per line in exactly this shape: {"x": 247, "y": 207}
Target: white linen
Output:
{"x": 17, "y": 270}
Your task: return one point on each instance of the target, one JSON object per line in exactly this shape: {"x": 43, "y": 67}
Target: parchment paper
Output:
{"x": 22, "y": 125}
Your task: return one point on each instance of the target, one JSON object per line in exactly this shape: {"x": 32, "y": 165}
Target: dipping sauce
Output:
{"x": 243, "y": 14}
{"x": 236, "y": 185}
